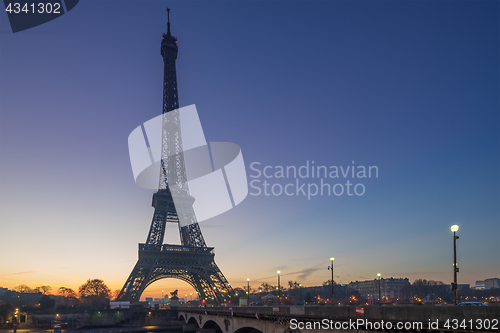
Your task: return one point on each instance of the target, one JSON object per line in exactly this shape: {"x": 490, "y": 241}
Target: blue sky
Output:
{"x": 411, "y": 87}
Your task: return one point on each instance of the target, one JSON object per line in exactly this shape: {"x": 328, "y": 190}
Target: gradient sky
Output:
{"x": 411, "y": 87}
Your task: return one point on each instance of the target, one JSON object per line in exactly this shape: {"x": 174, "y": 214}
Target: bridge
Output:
{"x": 305, "y": 319}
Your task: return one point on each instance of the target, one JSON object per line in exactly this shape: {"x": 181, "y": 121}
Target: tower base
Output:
{"x": 194, "y": 265}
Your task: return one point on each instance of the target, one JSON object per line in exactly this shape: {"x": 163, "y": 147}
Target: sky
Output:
{"x": 410, "y": 87}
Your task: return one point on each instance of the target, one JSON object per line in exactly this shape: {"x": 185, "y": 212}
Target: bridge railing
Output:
{"x": 392, "y": 313}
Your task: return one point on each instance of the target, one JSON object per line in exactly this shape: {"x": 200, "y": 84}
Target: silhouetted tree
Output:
{"x": 69, "y": 297}
{"x": 45, "y": 289}
{"x": 422, "y": 288}
{"x": 67, "y": 292}
{"x": 240, "y": 291}
{"x": 266, "y": 287}
{"x": 22, "y": 288}
{"x": 95, "y": 292}
{"x": 294, "y": 291}
{"x": 115, "y": 294}
{"x": 329, "y": 283}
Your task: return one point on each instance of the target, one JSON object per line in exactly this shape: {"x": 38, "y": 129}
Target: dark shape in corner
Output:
{"x": 31, "y": 17}
{"x": 70, "y": 4}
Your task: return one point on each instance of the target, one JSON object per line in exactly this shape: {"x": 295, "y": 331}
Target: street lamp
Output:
{"x": 279, "y": 287}
{"x": 300, "y": 291}
{"x": 331, "y": 268}
{"x": 454, "y": 228}
{"x": 248, "y": 292}
{"x": 378, "y": 288}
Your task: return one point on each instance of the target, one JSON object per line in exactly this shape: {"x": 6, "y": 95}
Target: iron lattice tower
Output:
{"x": 192, "y": 261}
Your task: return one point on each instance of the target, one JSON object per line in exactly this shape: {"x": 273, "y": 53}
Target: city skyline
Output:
{"x": 411, "y": 88}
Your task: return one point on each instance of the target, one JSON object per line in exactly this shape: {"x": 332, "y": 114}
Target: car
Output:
{"x": 472, "y": 304}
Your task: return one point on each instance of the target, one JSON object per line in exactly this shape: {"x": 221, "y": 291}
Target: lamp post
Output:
{"x": 378, "y": 288}
{"x": 248, "y": 292}
{"x": 300, "y": 292}
{"x": 454, "y": 228}
{"x": 331, "y": 268}
{"x": 279, "y": 288}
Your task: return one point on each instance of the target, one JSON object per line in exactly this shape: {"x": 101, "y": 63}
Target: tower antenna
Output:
{"x": 168, "y": 21}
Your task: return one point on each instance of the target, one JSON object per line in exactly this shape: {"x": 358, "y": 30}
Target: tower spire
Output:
{"x": 168, "y": 21}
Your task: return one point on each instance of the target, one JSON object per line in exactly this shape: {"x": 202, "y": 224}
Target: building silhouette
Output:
{"x": 389, "y": 288}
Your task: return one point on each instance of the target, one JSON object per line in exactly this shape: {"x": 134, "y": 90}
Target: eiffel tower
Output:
{"x": 192, "y": 261}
